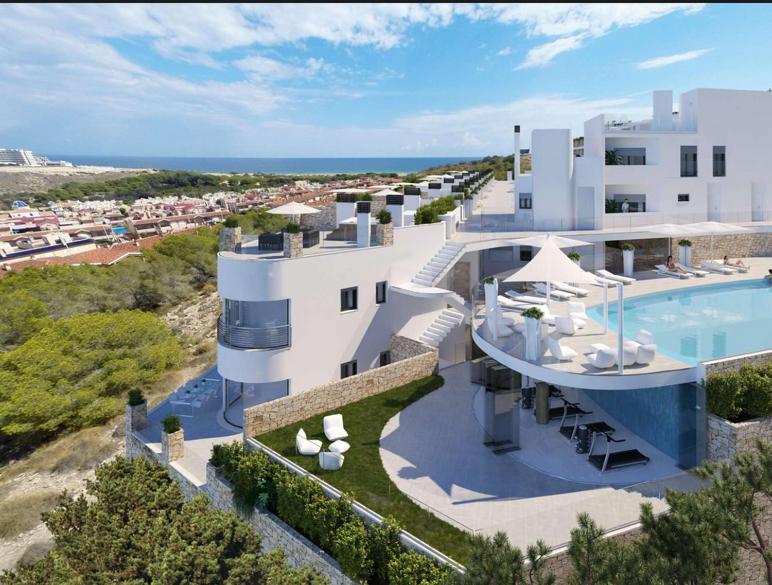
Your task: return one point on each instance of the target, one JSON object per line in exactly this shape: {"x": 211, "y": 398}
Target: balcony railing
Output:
{"x": 253, "y": 337}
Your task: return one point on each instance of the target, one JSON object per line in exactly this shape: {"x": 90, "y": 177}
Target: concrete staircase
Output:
{"x": 439, "y": 265}
{"x": 441, "y": 326}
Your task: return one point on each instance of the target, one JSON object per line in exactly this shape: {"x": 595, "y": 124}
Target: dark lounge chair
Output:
{"x": 616, "y": 459}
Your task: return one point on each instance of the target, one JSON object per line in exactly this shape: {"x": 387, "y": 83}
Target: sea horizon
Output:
{"x": 269, "y": 165}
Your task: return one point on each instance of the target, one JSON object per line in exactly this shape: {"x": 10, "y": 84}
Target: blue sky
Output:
{"x": 352, "y": 80}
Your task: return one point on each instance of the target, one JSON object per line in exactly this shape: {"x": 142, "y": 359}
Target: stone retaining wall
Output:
{"x": 411, "y": 361}
{"x": 758, "y": 358}
{"x": 745, "y": 245}
{"x": 726, "y": 439}
{"x": 273, "y": 531}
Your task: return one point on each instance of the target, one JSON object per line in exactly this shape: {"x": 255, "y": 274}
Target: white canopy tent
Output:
{"x": 551, "y": 264}
{"x": 293, "y": 209}
{"x": 540, "y": 240}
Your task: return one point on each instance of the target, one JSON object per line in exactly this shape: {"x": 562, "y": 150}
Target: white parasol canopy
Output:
{"x": 551, "y": 264}
{"x": 540, "y": 240}
{"x": 711, "y": 228}
{"x": 671, "y": 230}
{"x": 293, "y": 209}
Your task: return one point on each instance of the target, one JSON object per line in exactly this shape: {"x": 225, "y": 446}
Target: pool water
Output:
{"x": 701, "y": 323}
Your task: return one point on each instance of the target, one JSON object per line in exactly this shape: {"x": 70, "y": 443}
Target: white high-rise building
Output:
{"x": 17, "y": 157}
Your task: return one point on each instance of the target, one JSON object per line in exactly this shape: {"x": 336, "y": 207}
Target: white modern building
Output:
{"x": 705, "y": 160}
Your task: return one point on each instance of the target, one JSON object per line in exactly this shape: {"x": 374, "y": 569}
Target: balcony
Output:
{"x": 241, "y": 337}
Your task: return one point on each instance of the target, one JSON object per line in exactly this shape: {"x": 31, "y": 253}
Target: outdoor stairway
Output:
{"x": 441, "y": 326}
{"x": 439, "y": 265}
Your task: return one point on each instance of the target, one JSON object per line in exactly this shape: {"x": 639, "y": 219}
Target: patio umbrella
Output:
{"x": 540, "y": 240}
{"x": 293, "y": 209}
{"x": 712, "y": 228}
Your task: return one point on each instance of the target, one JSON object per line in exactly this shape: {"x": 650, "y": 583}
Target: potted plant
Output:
{"x": 136, "y": 411}
{"x": 685, "y": 252}
{"x": 575, "y": 256}
{"x": 230, "y": 235}
{"x": 172, "y": 439}
{"x": 532, "y": 318}
{"x": 293, "y": 240}
{"x": 384, "y": 229}
{"x": 628, "y": 252}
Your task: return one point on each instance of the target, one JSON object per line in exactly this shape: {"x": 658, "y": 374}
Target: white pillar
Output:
{"x": 397, "y": 214}
{"x": 620, "y": 326}
{"x": 516, "y": 166}
{"x": 363, "y": 230}
{"x": 605, "y": 307}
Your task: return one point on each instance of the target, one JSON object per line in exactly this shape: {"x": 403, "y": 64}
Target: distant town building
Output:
{"x": 17, "y": 157}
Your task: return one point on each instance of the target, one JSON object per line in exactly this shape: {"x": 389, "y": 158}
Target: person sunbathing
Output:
{"x": 671, "y": 265}
{"x": 739, "y": 263}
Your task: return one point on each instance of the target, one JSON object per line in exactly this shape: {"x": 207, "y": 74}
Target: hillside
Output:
{"x": 496, "y": 163}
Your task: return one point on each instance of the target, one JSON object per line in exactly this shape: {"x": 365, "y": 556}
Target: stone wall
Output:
{"x": 293, "y": 245}
{"x": 726, "y": 439}
{"x": 408, "y": 365}
{"x": 324, "y": 220}
{"x": 273, "y": 531}
{"x": 758, "y": 358}
{"x": 745, "y": 245}
{"x": 230, "y": 239}
{"x": 172, "y": 446}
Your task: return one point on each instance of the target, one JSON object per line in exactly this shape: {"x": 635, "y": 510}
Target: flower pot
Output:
{"x": 468, "y": 208}
{"x": 532, "y": 341}
{"x": 627, "y": 262}
{"x": 685, "y": 255}
{"x": 491, "y": 309}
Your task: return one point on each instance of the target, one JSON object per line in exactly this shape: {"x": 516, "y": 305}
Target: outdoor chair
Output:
{"x": 333, "y": 427}
{"x": 565, "y": 325}
{"x": 559, "y": 351}
{"x": 665, "y": 271}
{"x": 690, "y": 270}
{"x": 577, "y": 310}
{"x": 603, "y": 358}
{"x": 330, "y": 461}
{"x": 305, "y": 446}
{"x": 718, "y": 266}
{"x": 555, "y": 294}
{"x": 580, "y": 292}
{"x": 615, "y": 277}
{"x": 742, "y": 269}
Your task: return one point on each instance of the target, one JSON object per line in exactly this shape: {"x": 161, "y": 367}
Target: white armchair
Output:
{"x": 305, "y": 446}
{"x": 577, "y": 310}
{"x": 330, "y": 461}
{"x": 565, "y": 325}
{"x": 333, "y": 427}
{"x": 603, "y": 358}
{"x": 559, "y": 351}
{"x": 646, "y": 354}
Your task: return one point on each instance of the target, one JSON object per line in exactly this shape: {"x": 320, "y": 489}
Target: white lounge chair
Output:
{"x": 580, "y": 292}
{"x": 665, "y": 271}
{"x": 510, "y": 305}
{"x": 533, "y": 300}
{"x": 559, "y": 351}
{"x": 600, "y": 281}
{"x": 643, "y": 346}
{"x": 565, "y": 325}
{"x": 603, "y": 358}
{"x": 615, "y": 277}
{"x": 718, "y": 267}
{"x": 330, "y": 461}
{"x": 305, "y": 446}
{"x": 742, "y": 269}
{"x": 333, "y": 427}
{"x": 555, "y": 294}
{"x": 690, "y": 270}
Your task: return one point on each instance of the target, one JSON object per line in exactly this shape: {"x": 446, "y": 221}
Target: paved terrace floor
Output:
{"x": 433, "y": 451}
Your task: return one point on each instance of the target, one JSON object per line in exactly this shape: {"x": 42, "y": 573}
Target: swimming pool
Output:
{"x": 701, "y": 323}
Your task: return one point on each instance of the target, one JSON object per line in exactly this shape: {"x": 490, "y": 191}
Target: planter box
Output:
{"x": 136, "y": 417}
{"x": 172, "y": 446}
{"x": 627, "y": 262}
{"x": 293, "y": 245}
{"x": 384, "y": 234}
{"x": 726, "y": 439}
{"x": 685, "y": 255}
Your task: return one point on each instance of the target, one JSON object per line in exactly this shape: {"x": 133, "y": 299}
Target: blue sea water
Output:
{"x": 300, "y": 166}
{"x": 701, "y": 323}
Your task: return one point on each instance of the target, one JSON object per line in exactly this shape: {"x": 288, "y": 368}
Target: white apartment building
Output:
{"x": 707, "y": 161}
{"x": 17, "y": 157}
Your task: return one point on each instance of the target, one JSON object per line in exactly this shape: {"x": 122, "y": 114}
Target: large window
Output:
{"x": 688, "y": 161}
{"x": 525, "y": 201}
{"x": 683, "y": 198}
{"x": 526, "y": 253}
{"x": 254, "y": 325}
{"x": 630, "y": 156}
{"x": 384, "y": 359}
{"x": 348, "y": 369}
{"x": 719, "y": 161}
{"x": 380, "y": 292}
{"x": 348, "y": 299}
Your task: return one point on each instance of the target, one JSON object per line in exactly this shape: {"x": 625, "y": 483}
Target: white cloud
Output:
{"x": 666, "y": 60}
{"x": 504, "y": 52}
{"x": 544, "y": 54}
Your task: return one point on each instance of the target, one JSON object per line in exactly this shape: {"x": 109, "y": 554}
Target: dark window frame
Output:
{"x": 719, "y": 161}
{"x": 346, "y": 299}
{"x": 525, "y": 198}
{"x": 348, "y": 369}
{"x": 384, "y": 358}
{"x": 381, "y": 292}
{"x": 683, "y": 198}
{"x": 526, "y": 253}
{"x": 689, "y": 166}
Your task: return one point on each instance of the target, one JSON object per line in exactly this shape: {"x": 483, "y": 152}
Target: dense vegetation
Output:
{"x": 431, "y": 213}
{"x": 133, "y": 526}
{"x": 498, "y": 165}
{"x": 742, "y": 394}
{"x": 163, "y": 183}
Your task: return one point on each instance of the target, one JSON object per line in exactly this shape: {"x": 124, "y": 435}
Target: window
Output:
{"x": 525, "y": 254}
{"x": 525, "y": 201}
{"x": 688, "y": 161}
{"x": 348, "y": 369}
{"x": 384, "y": 359}
{"x": 380, "y": 292}
{"x": 719, "y": 161}
{"x": 348, "y": 299}
{"x": 683, "y": 198}
{"x": 631, "y": 156}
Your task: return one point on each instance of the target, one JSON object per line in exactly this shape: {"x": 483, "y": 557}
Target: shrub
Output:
{"x": 292, "y": 228}
{"x": 687, "y": 243}
{"x": 384, "y": 546}
{"x": 533, "y": 313}
{"x": 384, "y": 216}
{"x": 171, "y": 424}
{"x": 426, "y": 214}
{"x": 136, "y": 397}
{"x": 411, "y": 568}
{"x": 740, "y": 395}
{"x": 231, "y": 222}
{"x": 628, "y": 246}
{"x": 575, "y": 256}
{"x": 489, "y": 280}
{"x": 350, "y": 545}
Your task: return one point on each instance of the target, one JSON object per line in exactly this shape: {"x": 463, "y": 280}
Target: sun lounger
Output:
{"x": 662, "y": 269}
{"x": 555, "y": 294}
{"x": 616, "y": 459}
{"x": 511, "y": 305}
{"x": 719, "y": 267}
{"x": 515, "y": 296}
{"x": 580, "y": 292}
{"x": 742, "y": 269}
{"x": 690, "y": 270}
{"x": 614, "y": 277}
{"x": 600, "y": 281}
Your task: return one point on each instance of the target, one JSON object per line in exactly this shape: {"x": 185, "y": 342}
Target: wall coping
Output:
{"x": 742, "y": 424}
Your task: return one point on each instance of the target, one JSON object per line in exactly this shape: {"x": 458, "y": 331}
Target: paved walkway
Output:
{"x": 433, "y": 451}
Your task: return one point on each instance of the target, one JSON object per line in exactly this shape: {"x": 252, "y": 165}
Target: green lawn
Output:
{"x": 363, "y": 475}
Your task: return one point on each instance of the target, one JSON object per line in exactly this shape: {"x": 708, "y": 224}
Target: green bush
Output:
{"x": 686, "y": 243}
{"x": 171, "y": 424}
{"x": 628, "y": 246}
{"x": 533, "y": 313}
{"x": 575, "y": 256}
{"x": 489, "y": 280}
{"x": 411, "y": 568}
{"x": 350, "y": 546}
{"x": 426, "y": 214}
{"x": 742, "y": 394}
{"x": 292, "y": 228}
{"x": 384, "y": 546}
{"x": 136, "y": 397}
{"x": 384, "y": 216}
{"x": 231, "y": 222}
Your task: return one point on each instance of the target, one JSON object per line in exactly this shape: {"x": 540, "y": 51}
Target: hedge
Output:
{"x": 431, "y": 213}
{"x": 370, "y": 554}
{"x": 742, "y": 394}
